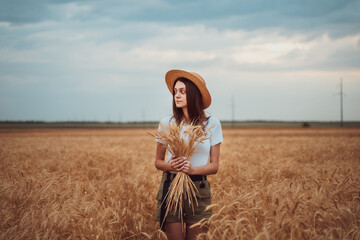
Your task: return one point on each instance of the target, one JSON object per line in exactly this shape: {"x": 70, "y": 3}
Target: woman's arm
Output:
{"x": 211, "y": 168}
{"x": 176, "y": 163}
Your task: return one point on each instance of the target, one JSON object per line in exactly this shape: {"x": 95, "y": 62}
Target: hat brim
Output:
{"x": 172, "y": 75}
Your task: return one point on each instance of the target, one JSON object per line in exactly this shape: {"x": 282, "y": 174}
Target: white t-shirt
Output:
{"x": 202, "y": 155}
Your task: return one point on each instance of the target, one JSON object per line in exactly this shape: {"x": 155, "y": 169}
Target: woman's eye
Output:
{"x": 181, "y": 91}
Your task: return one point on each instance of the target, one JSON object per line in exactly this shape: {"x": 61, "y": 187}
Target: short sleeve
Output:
{"x": 162, "y": 125}
{"x": 216, "y": 135}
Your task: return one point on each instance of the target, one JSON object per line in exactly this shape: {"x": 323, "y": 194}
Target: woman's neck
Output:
{"x": 186, "y": 115}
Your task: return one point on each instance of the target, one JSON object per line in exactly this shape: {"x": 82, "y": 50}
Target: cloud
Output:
{"x": 332, "y": 17}
{"x": 82, "y": 48}
{"x": 105, "y": 55}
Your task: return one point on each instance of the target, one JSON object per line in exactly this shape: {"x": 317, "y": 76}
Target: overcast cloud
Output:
{"x": 106, "y": 60}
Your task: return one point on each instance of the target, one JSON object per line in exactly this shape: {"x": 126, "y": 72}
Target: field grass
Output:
{"x": 288, "y": 183}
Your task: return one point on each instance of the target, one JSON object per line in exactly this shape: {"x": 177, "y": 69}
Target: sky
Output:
{"x": 106, "y": 60}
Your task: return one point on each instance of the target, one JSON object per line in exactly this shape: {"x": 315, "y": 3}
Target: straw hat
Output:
{"x": 172, "y": 75}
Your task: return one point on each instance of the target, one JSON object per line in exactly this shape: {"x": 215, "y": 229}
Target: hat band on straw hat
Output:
{"x": 172, "y": 75}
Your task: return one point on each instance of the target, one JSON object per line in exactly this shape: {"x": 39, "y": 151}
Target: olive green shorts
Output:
{"x": 203, "y": 199}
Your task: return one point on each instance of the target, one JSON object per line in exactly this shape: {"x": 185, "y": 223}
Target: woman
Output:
{"x": 190, "y": 99}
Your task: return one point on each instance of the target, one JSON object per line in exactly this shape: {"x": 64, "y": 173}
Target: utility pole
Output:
{"x": 233, "y": 111}
{"x": 341, "y": 103}
{"x": 143, "y": 118}
{"x": 119, "y": 117}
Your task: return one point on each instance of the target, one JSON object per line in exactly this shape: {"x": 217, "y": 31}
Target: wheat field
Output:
{"x": 101, "y": 184}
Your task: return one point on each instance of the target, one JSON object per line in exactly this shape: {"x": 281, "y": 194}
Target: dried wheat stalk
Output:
{"x": 181, "y": 143}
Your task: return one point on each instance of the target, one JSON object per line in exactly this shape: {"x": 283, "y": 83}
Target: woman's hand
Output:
{"x": 177, "y": 163}
{"x": 187, "y": 168}
{"x": 180, "y": 164}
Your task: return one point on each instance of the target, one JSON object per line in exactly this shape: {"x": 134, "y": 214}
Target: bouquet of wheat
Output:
{"x": 181, "y": 143}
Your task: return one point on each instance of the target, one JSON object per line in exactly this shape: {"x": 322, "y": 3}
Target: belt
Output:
{"x": 171, "y": 176}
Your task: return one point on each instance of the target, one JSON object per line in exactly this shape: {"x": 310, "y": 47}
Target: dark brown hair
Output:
{"x": 195, "y": 104}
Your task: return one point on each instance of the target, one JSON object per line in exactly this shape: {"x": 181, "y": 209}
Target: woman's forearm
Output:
{"x": 160, "y": 164}
{"x": 208, "y": 169}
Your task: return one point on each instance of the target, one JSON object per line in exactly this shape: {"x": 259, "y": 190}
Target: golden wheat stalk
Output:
{"x": 181, "y": 143}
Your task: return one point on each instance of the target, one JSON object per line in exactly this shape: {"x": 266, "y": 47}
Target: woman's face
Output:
{"x": 180, "y": 95}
